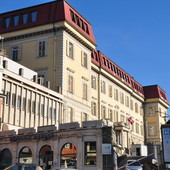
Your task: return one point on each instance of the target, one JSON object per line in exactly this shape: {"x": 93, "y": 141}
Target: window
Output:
{"x": 24, "y": 18}
{"x": 70, "y": 84}
{"x": 15, "y": 54}
{"x": 16, "y": 20}
{"x": 70, "y": 114}
{"x": 19, "y": 102}
{"x": 13, "y": 99}
{"x": 151, "y": 130}
{"x": 137, "y": 128}
{"x": 127, "y": 101}
{"x": 131, "y": 104}
{"x": 84, "y": 59}
{"x": 103, "y": 86}
{"x": 34, "y": 16}
{"x": 116, "y": 96}
{"x": 150, "y": 113}
{"x": 93, "y": 108}
{"x": 8, "y": 97}
{"x": 90, "y": 153}
{"x": 110, "y": 114}
{"x": 42, "y": 110}
{"x": 118, "y": 137}
{"x": 84, "y": 116}
{"x": 7, "y": 22}
{"x": 110, "y": 91}
{"x": 93, "y": 82}
{"x": 122, "y": 118}
{"x": 121, "y": 98}
{"x": 42, "y": 51}
{"x": 115, "y": 115}
{"x": 42, "y": 76}
{"x": 85, "y": 91}
{"x": 103, "y": 112}
{"x": 136, "y": 107}
{"x": 70, "y": 50}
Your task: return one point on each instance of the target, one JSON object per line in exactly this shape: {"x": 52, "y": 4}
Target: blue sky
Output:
{"x": 135, "y": 34}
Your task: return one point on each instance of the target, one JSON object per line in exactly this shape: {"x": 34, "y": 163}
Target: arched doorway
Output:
{"x": 46, "y": 157}
{"x": 5, "y": 158}
{"x": 68, "y": 156}
{"x": 25, "y": 155}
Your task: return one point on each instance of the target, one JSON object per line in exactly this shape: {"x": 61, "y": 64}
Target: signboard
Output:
{"x": 106, "y": 149}
{"x": 166, "y": 142}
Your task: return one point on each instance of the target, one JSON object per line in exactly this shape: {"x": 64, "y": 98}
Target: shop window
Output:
{"x": 25, "y": 155}
{"x": 90, "y": 153}
{"x": 68, "y": 156}
{"x": 46, "y": 157}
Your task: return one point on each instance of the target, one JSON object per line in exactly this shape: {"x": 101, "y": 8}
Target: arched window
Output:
{"x": 46, "y": 157}
{"x": 68, "y": 156}
{"x": 5, "y": 158}
{"x": 25, "y": 155}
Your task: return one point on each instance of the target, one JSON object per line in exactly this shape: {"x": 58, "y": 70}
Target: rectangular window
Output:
{"x": 19, "y": 102}
{"x": 103, "y": 112}
{"x": 115, "y": 115}
{"x": 41, "y": 49}
{"x": 70, "y": 50}
{"x": 131, "y": 104}
{"x": 34, "y": 16}
{"x": 70, "y": 114}
{"x": 136, "y": 107}
{"x": 137, "y": 128}
{"x": 121, "y": 98}
{"x": 103, "y": 86}
{"x": 93, "y": 82}
{"x": 7, "y": 22}
{"x": 16, "y": 20}
{"x": 24, "y": 18}
{"x": 127, "y": 101}
{"x": 84, "y": 59}
{"x": 110, "y": 91}
{"x": 15, "y": 54}
{"x": 110, "y": 114}
{"x": 116, "y": 95}
{"x": 84, "y": 116}
{"x": 93, "y": 108}
{"x": 70, "y": 83}
{"x": 8, "y": 98}
{"x": 150, "y": 113}
{"x": 42, "y": 110}
{"x": 151, "y": 130}
{"x": 85, "y": 91}
{"x": 13, "y": 99}
{"x": 90, "y": 153}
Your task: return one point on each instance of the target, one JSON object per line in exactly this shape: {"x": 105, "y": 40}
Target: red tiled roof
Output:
{"x": 155, "y": 91}
{"x": 48, "y": 13}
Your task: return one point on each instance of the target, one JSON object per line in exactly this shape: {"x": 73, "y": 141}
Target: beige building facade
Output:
{"x": 61, "y": 48}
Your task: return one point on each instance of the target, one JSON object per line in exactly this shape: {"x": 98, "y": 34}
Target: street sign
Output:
{"x": 106, "y": 149}
{"x": 166, "y": 142}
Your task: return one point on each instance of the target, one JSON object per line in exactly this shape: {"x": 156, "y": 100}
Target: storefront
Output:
{"x": 69, "y": 147}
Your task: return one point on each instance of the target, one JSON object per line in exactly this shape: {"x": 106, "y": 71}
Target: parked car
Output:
{"x": 133, "y": 165}
{"x": 23, "y": 167}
